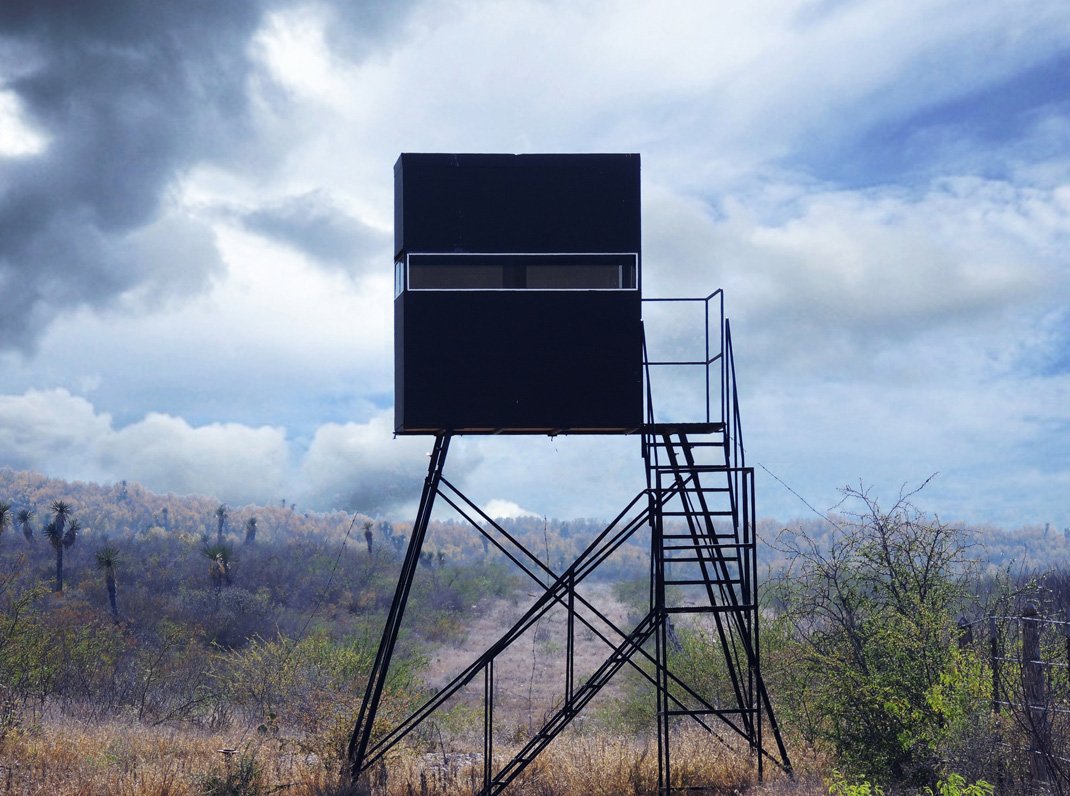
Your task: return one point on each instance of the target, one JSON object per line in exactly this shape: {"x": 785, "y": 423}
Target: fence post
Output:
{"x": 993, "y": 635}
{"x": 965, "y": 632}
{"x": 1066, "y": 632}
{"x": 1036, "y": 699}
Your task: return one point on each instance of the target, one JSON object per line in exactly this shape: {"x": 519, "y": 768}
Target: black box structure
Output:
{"x": 517, "y": 303}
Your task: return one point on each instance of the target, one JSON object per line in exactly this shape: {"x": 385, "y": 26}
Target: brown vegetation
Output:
{"x": 185, "y": 627}
{"x": 57, "y": 757}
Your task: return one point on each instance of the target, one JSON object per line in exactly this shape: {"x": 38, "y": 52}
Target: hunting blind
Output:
{"x": 518, "y": 309}
{"x": 517, "y": 294}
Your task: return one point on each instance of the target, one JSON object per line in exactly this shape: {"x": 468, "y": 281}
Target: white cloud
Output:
{"x": 18, "y": 138}
{"x": 498, "y": 508}
{"x": 275, "y": 341}
{"x": 342, "y": 456}
{"x": 52, "y": 431}
{"x": 178, "y": 257}
{"x": 63, "y": 435}
{"x": 292, "y": 44}
{"x": 356, "y": 466}
{"x": 362, "y": 467}
{"x": 237, "y": 463}
{"x": 825, "y": 282}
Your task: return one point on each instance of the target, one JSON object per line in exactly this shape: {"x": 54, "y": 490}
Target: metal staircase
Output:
{"x": 704, "y": 557}
{"x": 703, "y": 549}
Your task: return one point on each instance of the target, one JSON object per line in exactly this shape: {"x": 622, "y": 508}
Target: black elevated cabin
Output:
{"x": 517, "y": 294}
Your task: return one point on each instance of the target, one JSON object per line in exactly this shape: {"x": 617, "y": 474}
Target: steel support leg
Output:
{"x": 488, "y": 725}
{"x": 362, "y": 731}
{"x": 660, "y": 645}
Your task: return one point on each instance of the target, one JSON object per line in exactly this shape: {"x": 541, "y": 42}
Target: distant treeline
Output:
{"x": 126, "y": 510}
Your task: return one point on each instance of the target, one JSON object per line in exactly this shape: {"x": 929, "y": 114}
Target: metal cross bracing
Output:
{"x": 699, "y": 509}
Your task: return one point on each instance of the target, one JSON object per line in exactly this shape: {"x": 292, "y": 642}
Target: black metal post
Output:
{"x": 571, "y": 636}
{"x": 750, "y": 597}
{"x": 660, "y": 650}
{"x": 664, "y": 760}
{"x": 362, "y": 731}
{"x": 488, "y": 725}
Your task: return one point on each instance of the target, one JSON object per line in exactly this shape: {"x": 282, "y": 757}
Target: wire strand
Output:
{"x": 805, "y": 502}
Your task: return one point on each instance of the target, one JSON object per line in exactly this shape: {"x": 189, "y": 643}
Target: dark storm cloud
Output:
{"x": 127, "y": 95}
{"x": 313, "y": 223}
{"x": 360, "y": 25}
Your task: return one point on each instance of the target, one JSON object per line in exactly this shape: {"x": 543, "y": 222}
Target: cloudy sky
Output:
{"x": 195, "y": 235}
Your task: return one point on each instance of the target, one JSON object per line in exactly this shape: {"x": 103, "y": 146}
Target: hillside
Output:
{"x": 255, "y": 627}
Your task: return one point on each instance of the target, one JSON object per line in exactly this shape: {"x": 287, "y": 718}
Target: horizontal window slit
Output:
{"x": 522, "y": 272}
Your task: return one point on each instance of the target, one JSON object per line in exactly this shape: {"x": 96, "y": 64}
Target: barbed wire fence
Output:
{"x": 1024, "y": 643}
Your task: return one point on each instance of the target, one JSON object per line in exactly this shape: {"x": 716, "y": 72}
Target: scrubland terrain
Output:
{"x": 155, "y": 644}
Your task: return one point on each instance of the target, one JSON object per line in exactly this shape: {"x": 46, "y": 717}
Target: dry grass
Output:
{"x": 600, "y": 765}
{"x": 58, "y": 758}
{"x": 605, "y": 766}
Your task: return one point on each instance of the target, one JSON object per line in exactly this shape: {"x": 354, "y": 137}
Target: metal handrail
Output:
{"x": 711, "y": 356}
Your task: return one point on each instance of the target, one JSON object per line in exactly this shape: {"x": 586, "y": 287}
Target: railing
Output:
{"x": 716, "y": 351}
{"x": 733, "y": 426}
{"x": 713, "y": 351}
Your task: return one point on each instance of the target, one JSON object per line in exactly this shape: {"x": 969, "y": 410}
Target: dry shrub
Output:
{"x": 582, "y": 765}
{"x": 64, "y": 758}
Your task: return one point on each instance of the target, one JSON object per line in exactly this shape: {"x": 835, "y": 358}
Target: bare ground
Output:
{"x": 530, "y": 675}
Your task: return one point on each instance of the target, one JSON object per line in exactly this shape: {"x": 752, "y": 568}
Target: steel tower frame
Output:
{"x": 699, "y": 505}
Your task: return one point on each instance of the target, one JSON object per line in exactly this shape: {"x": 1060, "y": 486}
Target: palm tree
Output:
{"x": 62, "y": 512}
{"x": 220, "y": 555}
{"x": 22, "y": 519}
{"x": 250, "y": 530}
{"x": 221, "y": 520}
{"x": 62, "y": 532}
{"x": 5, "y": 516}
{"x": 107, "y": 559}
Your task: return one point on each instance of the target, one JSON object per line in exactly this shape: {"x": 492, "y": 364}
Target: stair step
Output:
{"x": 707, "y": 443}
{"x": 714, "y": 712}
{"x": 706, "y": 547}
{"x": 690, "y": 469}
{"x": 708, "y": 609}
{"x": 701, "y": 489}
{"x": 701, "y": 536}
{"x": 678, "y": 513}
{"x": 701, "y": 582}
